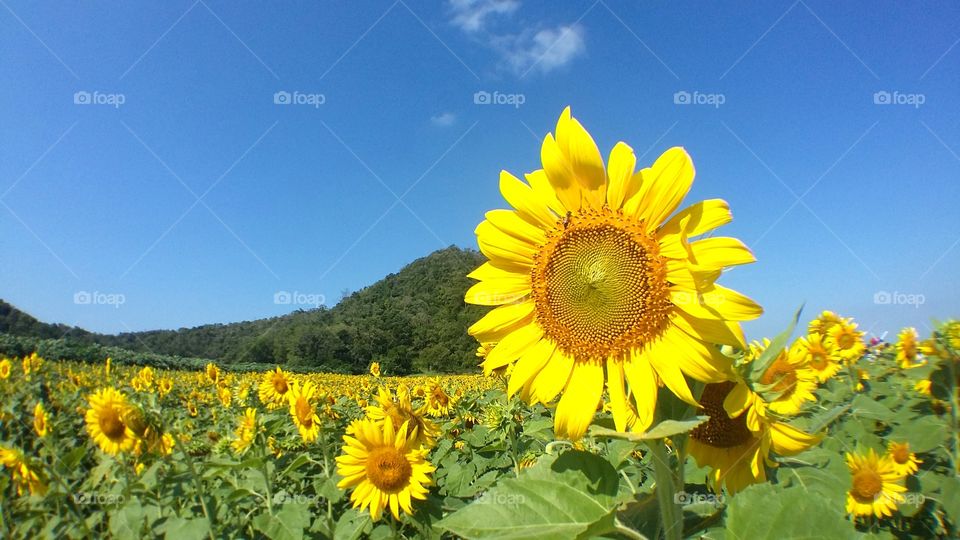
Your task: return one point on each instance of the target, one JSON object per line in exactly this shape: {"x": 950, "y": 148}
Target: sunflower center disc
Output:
{"x": 867, "y": 484}
{"x": 111, "y": 425}
{"x": 845, "y": 341}
{"x": 720, "y": 430}
{"x": 599, "y": 285}
{"x": 280, "y": 384}
{"x": 901, "y": 453}
{"x": 388, "y": 469}
{"x": 304, "y": 412}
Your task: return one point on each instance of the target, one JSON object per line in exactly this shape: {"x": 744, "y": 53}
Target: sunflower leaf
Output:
{"x": 667, "y": 428}
{"x": 769, "y": 354}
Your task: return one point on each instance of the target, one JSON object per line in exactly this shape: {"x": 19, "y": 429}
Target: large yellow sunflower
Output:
{"x": 820, "y": 355}
{"x": 105, "y": 421}
{"x": 273, "y": 388}
{"x": 246, "y": 431}
{"x": 737, "y": 439}
{"x": 597, "y": 283}
{"x": 302, "y": 410}
{"x": 5, "y": 368}
{"x": 847, "y": 340}
{"x": 904, "y": 461}
{"x": 41, "y": 420}
{"x": 386, "y": 467}
{"x": 400, "y": 410}
{"x": 907, "y": 348}
{"x": 791, "y": 381}
{"x": 876, "y": 485}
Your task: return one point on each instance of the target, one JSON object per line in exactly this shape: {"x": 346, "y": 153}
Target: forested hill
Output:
{"x": 411, "y": 321}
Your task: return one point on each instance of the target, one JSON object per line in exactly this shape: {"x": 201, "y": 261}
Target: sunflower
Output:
{"x": 792, "y": 382}
{"x": 273, "y": 388}
{"x": 301, "y": 409}
{"x": 41, "y": 420}
{"x": 596, "y": 283}
{"x": 24, "y": 476}
{"x": 375, "y": 369}
{"x": 386, "y": 467}
{"x": 438, "y": 402}
{"x": 848, "y": 341}
{"x": 225, "y": 397}
{"x": 907, "y": 349}
{"x": 822, "y": 324}
{"x": 904, "y": 461}
{"x": 820, "y": 355}
{"x": 164, "y": 386}
{"x": 875, "y": 487}
{"x": 192, "y": 409}
{"x": 5, "y": 368}
{"x": 737, "y": 439}
{"x": 924, "y": 386}
{"x": 246, "y": 431}
{"x": 401, "y": 410}
{"x": 213, "y": 372}
{"x": 105, "y": 421}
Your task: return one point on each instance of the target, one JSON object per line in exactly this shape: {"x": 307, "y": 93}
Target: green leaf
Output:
{"x": 126, "y": 522}
{"x": 287, "y": 524}
{"x": 177, "y": 528}
{"x": 924, "y": 434}
{"x": 571, "y": 496}
{"x": 777, "y": 344}
{"x": 768, "y": 511}
{"x": 667, "y": 428}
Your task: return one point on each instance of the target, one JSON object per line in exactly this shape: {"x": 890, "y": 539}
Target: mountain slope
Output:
{"x": 411, "y": 321}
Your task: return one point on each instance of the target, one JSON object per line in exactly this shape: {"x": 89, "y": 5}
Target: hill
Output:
{"x": 412, "y": 321}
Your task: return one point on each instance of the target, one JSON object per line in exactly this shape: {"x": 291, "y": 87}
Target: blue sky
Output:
{"x": 149, "y": 180}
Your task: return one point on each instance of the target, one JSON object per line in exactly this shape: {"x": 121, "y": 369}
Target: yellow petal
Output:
{"x": 711, "y": 330}
{"x": 618, "y": 396}
{"x": 620, "y": 168}
{"x": 669, "y": 372}
{"x": 579, "y": 401}
{"x": 530, "y": 364}
{"x": 541, "y": 186}
{"x": 738, "y": 400}
{"x": 529, "y": 205}
{"x": 699, "y": 218}
{"x": 504, "y": 245}
{"x": 495, "y": 292}
{"x": 664, "y": 186}
{"x": 584, "y": 158}
{"x": 511, "y": 223}
{"x": 720, "y": 252}
{"x": 502, "y": 318}
{"x": 643, "y": 386}
{"x": 560, "y": 174}
{"x": 788, "y": 440}
{"x": 552, "y": 378}
{"x": 696, "y": 359}
{"x": 498, "y": 270}
{"x": 512, "y": 347}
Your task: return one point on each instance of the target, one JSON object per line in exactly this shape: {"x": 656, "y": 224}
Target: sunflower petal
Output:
{"x": 578, "y": 405}
{"x": 643, "y": 386}
{"x": 511, "y": 347}
{"x": 530, "y": 206}
{"x": 552, "y": 378}
{"x": 530, "y": 364}
{"x": 511, "y": 223}
{"x": 720, "y": 252}
{"x": 620, "y": 168}
{"x": 618, "y": 397}
{"x": 496, "y": 292}
{"x": 584, "y": 158}
{"x": 501, "y": 319}
{"x": 699, "y": 218}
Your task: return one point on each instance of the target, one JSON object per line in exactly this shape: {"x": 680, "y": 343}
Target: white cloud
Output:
{"x": 471, "y": 15}
{"x": 545, "y": 50}
{"x": 443, "y": 119}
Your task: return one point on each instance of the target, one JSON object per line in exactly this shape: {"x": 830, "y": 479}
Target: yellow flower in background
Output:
{"x": 819, "y": 355}
{"x": 41, "y": 420}
{"x": 924, "y": 387}
{"x": 304, "y": 415}
{"x": 273, "y": 388}
{"x": 23, "y": 475}
{"x": 875, "y": 487}
{"x": 225, "y": 397}
{"x": 737, "y": 439}
{"x": 400, "y": 411}
{"x": 106, "y": 368}
{"x": 847, "y": 340}
{"x": 438, "y": 401}
{"x": 386, "y": 468}
{"x": 597, "y": 285}
{"x": 793, "y": 383}
{"x": 375, "y": 369}
{"x": 246, "y": 431}
{"x": 904, "y": 461}
{"x": 105, "y": 421}
{"x": 822, "y": 324}
{"x": 25, "y": 363}
{"x": 164, "y": 386}
{"x": 192, "y": 409}
{"x": 907, "y": 349}
{"x": 5, "y": 368}
{"x": 213, "y": 372}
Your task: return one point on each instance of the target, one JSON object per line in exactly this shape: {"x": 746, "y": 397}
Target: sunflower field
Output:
{"x": 618, "y": 398}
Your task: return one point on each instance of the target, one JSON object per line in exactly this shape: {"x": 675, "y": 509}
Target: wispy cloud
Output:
{"x": 545, "y": 50}
{"x": 443, "y": 119}
{"x": 538, "y": 48}
{"x": 473, "y": 15}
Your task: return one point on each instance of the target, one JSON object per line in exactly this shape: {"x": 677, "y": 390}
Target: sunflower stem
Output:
{"x": 670, "y": 513}
{"x": 198, "y": 485}
{"x": 955, "y": 402}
